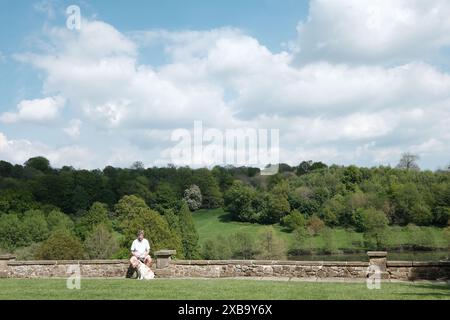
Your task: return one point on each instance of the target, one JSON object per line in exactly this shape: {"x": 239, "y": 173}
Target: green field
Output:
{"x": 210, "y": 223}
{"x": 176, "y": 289}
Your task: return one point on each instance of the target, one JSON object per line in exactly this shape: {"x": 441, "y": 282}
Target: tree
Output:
{"x": 56, "y": 220}
{"x": 374, "y": 224}
{"x": 409, "y": 205}
{"x": 34, "y": 226}
{"x": 11, "y": 232}
{"x": 189, "y": 235}
{"x": 134, "y": 215}
{"x": 238, "y": 202}
{"x": 315, "y": 225}
{"x": 6, "y": 169}
{"x": 39, "y": 163}
{"x": 166, "y": 197}
{"x": 329, "y": 240}
{"x": 352, "y": 177}
{"x": 212, "y": 197}
{"x": 193, "y": 197}
{"x": 244, "y": 246}
{"x": 270, "y": 245}
{"x": 294, "y": 220}
{"x": 98, "y": 213}
{"x": 408, "y": 161}
{"x": 100, "y": 243}
{"x": 138, "y": 165}
{"x": 61, "y": 246}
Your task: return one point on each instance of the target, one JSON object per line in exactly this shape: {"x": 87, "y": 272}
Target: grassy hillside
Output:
{"x": 211, "y": 223}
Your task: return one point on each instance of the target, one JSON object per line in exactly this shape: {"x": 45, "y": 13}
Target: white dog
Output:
{"x": 144, "y": 272}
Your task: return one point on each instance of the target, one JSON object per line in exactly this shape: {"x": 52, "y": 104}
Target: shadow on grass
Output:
{"x": 432, "y": 294}
{"x": 226, "y": 217}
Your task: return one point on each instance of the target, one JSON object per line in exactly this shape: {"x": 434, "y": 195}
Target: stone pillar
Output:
{"x": 4, "y": 259}
{"x": 163, "y": 258}
{"x": 378, "y": 259}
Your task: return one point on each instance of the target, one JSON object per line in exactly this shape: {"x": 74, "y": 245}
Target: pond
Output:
{"x": 393, "y": 256}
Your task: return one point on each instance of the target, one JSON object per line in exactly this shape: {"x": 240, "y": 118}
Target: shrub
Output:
{"x": 329, "y": 241}
{"x": 136, "y": 215}
{"x": 34, "y": 226}
{"x": 11, "y": 232}
{"x": 315, "y": 225}
{"x": 100, "y": 243}
{"x": 56, "y": 220}
{"x": 270, "y": 246}
{"x": 60, "y": 246}
{"x": 244, "y": 246}
{"x": 189, "y": 235}
{"x": 294, "y": 220}
{"x": 421, "y": 238}
{"x": 193, "y": 197}
{"x": 27, "y": 253}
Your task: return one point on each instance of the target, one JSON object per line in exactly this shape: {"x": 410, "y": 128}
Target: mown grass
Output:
{"x": 214, "y": 289}
{"x": 211, "y": 223}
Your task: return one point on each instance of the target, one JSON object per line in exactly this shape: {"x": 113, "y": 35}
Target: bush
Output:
{"x": 244, "y": 246}
{"x": 421, "y": 238}
{"x": 136, "y": 215}
{"x": 27, "y": 253}
{"x": 34, "y": 226}
{"x": 189, "y": 235}
{"x": 294, "y": 220}
{"x": 61, "y": 246}
{"x": 193, "y": 197}
{"x": 315, "y": 225}
{"x": 11, "y": 235}
{"x": 270, "y": 246}
{"x": 56, "y": 220}
{"x": 329, "y": 241}
{"x": 100, "y": 243}
{"x": 217, "y": 249}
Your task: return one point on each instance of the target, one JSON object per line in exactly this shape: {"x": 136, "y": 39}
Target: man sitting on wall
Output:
{"x": 140, "y": 250}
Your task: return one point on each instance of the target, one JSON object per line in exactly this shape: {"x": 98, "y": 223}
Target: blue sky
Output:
{"x": 345, "y": 81}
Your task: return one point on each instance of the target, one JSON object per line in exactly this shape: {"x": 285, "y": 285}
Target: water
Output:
{"x": 393, "y": 256}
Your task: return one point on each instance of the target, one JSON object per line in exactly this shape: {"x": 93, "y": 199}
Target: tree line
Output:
{"x": 45, "y": 206}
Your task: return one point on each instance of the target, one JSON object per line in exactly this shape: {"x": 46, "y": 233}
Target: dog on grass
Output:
{"x": 144, "y": 272}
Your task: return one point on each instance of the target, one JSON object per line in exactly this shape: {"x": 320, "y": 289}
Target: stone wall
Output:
{"x": 165, "y": 268}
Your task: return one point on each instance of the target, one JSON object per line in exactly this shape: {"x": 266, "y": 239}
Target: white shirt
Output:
{"x": 140, "y": 246}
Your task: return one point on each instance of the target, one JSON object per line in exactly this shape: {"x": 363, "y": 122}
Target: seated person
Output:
{"x": 140, "y": 250}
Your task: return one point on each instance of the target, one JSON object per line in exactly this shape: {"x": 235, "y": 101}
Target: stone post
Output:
{"x": 4, "y": 259}
{"x": 378, "y": 259}
{"x": 163, "y": 258}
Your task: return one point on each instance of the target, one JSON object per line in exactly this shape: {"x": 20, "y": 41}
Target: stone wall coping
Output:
{"x": 270, "y": 262}
{"x": 7, "y": 257}
{"x": 237, "y": 262}
{"x": 399, "y": 263}
{"x": 165, "y": 252}
{"x": 65, "y": 262}
{"x": 381, "y": 254}
{"x": 418, "y": 263}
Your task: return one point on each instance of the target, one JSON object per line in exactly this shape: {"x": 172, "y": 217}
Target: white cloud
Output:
{"x": 38, "y": 110}
{"x": 371, "y": 31}
{"x": 73, "y": 130}
{"x": 18, "y": 151}
{"x": 326, "y": 111}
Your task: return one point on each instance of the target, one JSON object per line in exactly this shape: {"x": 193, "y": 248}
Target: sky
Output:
{"x": 344, "y": 81}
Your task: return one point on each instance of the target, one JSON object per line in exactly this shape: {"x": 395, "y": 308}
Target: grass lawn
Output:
{"x": 210, "y": 223}
{"x": 226, "y": 289}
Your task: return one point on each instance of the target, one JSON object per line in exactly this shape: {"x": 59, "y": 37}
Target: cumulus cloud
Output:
{"x": 18, "y": 151}
{"x": 37, "y": 110}
{"x": 366, "y": 31}
{"x": 327, "y": 108}
{"x": 73, "y": 130}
